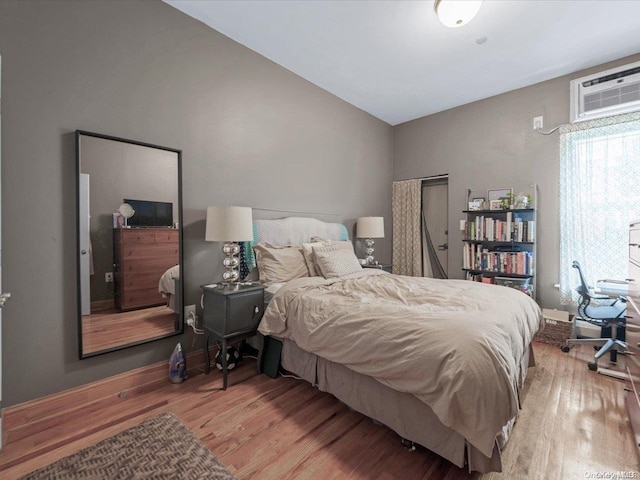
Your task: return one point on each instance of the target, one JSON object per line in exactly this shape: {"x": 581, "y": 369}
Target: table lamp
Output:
{"x": 229, "y": 225}
{"x": 370, "y": 228}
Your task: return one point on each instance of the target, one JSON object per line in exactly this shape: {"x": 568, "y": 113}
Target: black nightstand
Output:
{"x": 230, "y": 314}
{"x": 386, "y": 268}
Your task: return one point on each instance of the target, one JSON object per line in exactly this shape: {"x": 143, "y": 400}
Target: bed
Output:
{"x": 440, "y": 362}
{"x": 169, "y": 287}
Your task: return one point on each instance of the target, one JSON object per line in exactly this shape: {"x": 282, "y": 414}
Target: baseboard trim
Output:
{"x": 103, "y": 304}
{"x": 40, "y": 408}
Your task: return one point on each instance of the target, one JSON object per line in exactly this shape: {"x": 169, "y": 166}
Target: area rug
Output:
{"x": 159, "y": 448}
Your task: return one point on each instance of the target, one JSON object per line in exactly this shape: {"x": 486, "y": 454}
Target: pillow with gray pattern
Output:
{"x": 336, "y": 260}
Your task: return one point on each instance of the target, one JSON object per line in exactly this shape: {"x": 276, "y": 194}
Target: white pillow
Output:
{"x": 307, "y": 251}
{"x": 279, "y": 264}
{"x": 336, "y": 260}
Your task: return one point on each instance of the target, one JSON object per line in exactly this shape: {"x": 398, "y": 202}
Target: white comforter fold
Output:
{"x": 167, "y": 284}
{"x": 454, "y": 344}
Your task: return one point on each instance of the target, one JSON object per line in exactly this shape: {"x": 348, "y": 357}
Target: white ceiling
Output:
{"x": 395, "y": 60}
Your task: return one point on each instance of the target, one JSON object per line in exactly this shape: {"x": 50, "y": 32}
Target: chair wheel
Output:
{"x": 565, "y": 348}
{"x": 593, "y": 366}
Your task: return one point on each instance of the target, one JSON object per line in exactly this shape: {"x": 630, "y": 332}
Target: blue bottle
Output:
{"x": 177, "y": 365}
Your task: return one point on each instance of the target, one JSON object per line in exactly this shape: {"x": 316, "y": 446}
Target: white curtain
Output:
{"x": 406, "y": 209}
{"x": 599, "y": 196}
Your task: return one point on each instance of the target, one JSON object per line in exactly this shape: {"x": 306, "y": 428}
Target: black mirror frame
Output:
{"x": 180, "y": 313}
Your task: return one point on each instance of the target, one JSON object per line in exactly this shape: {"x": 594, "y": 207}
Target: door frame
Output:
{"x": 0, "y": 259}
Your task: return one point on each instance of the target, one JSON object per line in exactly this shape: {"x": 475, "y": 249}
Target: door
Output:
{"x": 435, "y": 233}
{"x": 3, "y": 296}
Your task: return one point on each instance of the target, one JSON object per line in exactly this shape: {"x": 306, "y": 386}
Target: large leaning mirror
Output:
{"x": 129, "y": 243}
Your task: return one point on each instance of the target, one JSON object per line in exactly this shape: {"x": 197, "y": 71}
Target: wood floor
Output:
{"x": 105, "y": 329}
{"x": 573, "y": 424}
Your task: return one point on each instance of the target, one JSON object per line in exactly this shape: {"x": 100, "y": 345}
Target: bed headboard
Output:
{"x": 296, "y": 231}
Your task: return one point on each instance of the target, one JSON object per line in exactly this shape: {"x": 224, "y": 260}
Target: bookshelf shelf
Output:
{"x": 496, "y": 242}
{"x": 496, "y": 274}
{"x": 498, "y": 212}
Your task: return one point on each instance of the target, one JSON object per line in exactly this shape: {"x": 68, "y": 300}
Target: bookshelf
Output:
{"x": 499, "y": 247}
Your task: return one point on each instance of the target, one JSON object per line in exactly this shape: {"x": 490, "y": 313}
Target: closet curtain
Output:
{"x": 406, "y": 209}
{"x": 599, "y": 196}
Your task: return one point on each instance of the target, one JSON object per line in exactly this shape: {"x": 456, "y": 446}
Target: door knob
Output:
{"x": 444, "y": 246}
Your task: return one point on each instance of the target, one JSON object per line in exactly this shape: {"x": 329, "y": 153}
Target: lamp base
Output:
{"x": 230, "y": 262}
{"x": 369, "y": 251}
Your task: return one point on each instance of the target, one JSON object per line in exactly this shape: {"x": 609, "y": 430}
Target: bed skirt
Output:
{"x": 401, "y": 412}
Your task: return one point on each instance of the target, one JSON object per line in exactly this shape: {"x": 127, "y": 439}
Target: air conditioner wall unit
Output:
{"x": 607, "y": 93}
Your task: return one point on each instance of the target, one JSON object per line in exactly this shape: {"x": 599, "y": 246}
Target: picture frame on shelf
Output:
{"x": 480, "y": 201}
{"x": 503, "y": 194}
{"x": 476, "y": 204}
{"x": 496, "y": 205}
{"x": 498, "y": 193}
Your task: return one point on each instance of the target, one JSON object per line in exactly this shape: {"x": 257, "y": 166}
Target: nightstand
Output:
{"x": 386, "y": 268}
{"x": 231, "y": 313}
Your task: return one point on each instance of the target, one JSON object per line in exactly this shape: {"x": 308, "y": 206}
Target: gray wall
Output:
{"x": 252, "y": 133}
{"x": 490, "y": 144}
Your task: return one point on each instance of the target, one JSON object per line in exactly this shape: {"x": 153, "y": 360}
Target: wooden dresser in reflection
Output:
{"x": 633, "y": 330}
{"x": 141, "y": 256}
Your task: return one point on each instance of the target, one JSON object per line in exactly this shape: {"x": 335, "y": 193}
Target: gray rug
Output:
{"x": 159, "y": 448}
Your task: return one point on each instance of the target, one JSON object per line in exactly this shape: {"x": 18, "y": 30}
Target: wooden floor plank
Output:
{"x": 110, "y": 328}
{"x": 573, "y": 423}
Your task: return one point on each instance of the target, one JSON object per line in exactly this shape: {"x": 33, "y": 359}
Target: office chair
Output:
{"x": 609, "y": 316}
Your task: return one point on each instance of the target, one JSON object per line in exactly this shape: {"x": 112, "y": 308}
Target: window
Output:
{"x": 599, "y": 196}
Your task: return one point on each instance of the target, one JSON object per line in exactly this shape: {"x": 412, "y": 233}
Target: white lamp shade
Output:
{"x": 456, "y": 13}
{"x": 229, "y": 224}
{"x": 370, "y": 227}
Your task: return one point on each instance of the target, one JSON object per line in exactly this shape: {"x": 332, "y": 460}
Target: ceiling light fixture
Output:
{"x": 456, "y": 13}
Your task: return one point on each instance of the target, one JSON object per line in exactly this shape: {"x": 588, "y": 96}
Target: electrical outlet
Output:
{"x": 108, "y": 277}
{"x": 538, "y": 122}
{"x": 190, "y": 314}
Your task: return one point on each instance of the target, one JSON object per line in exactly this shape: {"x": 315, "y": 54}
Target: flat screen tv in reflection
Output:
{"x": 150, "y": 214}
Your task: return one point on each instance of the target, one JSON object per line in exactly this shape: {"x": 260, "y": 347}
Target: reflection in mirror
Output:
{"x": 129, "y": 242}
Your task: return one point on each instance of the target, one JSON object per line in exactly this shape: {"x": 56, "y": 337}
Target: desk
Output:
{"x": 611, "y": 288}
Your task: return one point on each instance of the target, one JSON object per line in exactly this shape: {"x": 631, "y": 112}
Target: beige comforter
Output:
{"x": 167, "y": 283}
{"x": 454, "y": 344}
